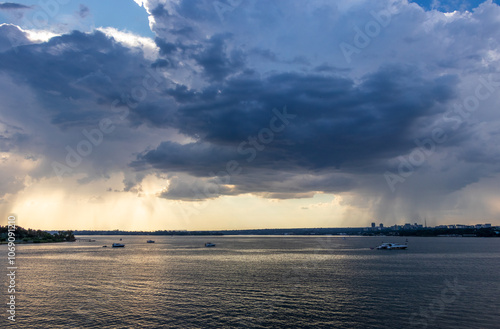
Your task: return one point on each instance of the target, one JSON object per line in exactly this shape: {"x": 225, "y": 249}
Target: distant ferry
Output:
{"x": 118, "y": 245}
{"x": 209, "y": 244}
{"x": 391, "y": 246}
{"x": 150, "y": 241}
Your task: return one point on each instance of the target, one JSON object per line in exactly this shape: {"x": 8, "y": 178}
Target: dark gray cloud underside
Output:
{"x": 338, "y": 124}
{"x": 12, "y": 5}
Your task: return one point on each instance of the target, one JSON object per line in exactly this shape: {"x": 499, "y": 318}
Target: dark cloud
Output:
{"x": 339, "y": 126}
{"x": 166, "y": 48}
{"x": 216, "y": 62}
{"x": 193, "y": 158}
{"x": 325, "y": 68}
{"x": 76, "y": 68}
{"x": 185, "y": 31}
{"x": 55, "y": 90}
{"x": 450, "y": 6}
{"x": 183, "y": 187}
{"x": 11, "y": 5}
{"x": 265, "y": 54}
{"x": 160, "y": 11}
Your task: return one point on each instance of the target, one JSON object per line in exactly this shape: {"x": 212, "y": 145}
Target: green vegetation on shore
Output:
{"x": 36, "y": 236}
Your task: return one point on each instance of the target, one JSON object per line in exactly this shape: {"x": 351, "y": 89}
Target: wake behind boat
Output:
{"x": 392, "y": 246}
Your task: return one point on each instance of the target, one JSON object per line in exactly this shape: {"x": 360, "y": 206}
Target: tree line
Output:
{"x": 36, "y": 236}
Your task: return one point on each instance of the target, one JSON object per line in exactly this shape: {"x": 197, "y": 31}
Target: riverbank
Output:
{"x": 23, "y": 235}
{"x": 17, "y": 242}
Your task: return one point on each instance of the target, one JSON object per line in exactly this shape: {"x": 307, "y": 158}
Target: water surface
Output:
{"x": 258, "y": 282}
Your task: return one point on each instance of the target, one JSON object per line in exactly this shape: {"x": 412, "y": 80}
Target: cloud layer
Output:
{"x": 386, "y": 101}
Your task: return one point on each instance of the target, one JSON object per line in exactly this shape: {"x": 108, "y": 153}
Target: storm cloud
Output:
{"x": 12, "y": 5}
{"x": 389, "y": 101}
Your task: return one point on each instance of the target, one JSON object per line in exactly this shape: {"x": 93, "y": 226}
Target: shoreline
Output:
{"x": 32, "y": 242}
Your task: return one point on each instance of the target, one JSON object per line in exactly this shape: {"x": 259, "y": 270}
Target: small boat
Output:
{"x": 104, "y": 246}
{"x": 118, "y": 245}
{"x": 150, "y": 241}
{"x": 209, "y": 244}
{"x": 392, "y": 246}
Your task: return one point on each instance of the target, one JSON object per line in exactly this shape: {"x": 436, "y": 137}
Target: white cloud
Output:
{"x": 132, "y": 40}
{"x": 38, "y": 36}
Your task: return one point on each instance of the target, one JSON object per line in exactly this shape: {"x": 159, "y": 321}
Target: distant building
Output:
{"x": 381, "y": 226}
{"x": 487, "y": 225}
{"x": 373, "y": 225}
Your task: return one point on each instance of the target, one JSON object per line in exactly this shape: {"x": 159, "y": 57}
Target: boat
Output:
{"x": 209, "y": 244}
{"x": 392, "y": 246}
{"x": 118, "y": 245}
{"x": 150, "y": 241}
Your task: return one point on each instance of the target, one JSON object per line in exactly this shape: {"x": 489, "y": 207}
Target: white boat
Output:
{"x": 209, "y": 244}
{"x": 392, "y": 246}
{"x": 118, "y": 245}
{"x": 150, "y": 241}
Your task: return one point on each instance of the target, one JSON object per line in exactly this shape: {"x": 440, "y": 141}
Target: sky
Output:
{"x": 231, "y": 114}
